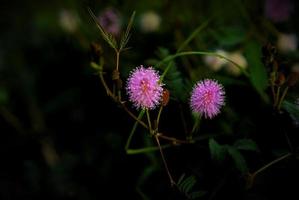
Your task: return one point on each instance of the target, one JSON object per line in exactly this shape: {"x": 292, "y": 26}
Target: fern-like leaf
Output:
{"x": 186, "y": 186}
{"x": 126, "y": 36}
{"x": 218, "y": 151}
{"x": 246, "y": 144}
{"x": 238, "y": 159}
{"x": 174, "y": 78}
{"x": 109, "y": 38}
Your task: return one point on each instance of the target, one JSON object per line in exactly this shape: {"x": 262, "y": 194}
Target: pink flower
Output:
{"x": 144, "y": 89}
{"x": 110, "y": 20}
{"x": 207, "y": 98}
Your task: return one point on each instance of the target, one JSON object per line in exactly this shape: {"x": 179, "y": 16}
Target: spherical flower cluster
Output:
{"x": 207, "y": 98}
{"x": 144, "y": 88}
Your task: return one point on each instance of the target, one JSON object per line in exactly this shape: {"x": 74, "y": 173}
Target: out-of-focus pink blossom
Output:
{"x": 110, "y": 20}
{"x": 278, "y": 10}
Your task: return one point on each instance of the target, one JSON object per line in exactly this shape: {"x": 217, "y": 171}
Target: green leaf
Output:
{"x": 181, "y": 179}
{"x": 125, "y": 38}
{"x": 217, "y": 151}
{"x": 238, "y": 159}
{"x": 162, "y": 52}
{"x": 258, "y": 73}
{"x": 174, "y": 78}
{"x": 141, "y": 113}
{"x": 193, "y": 35}
{"x": 246, "y": 144}
{"x": 189, "y": 184}
{"x": 196, "y": 122}
{"x": 147, "y": 172}
{"x": 291, "y": 108}
{"x": 109, "y": 38}
{"x": 186, "y": 186}
{"x": 229, "y": 36}
{"x": 96, "y": 66}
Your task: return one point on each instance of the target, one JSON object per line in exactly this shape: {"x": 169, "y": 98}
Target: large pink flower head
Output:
{"x": 207, "y": 98}
{"x": 143, "y": 88}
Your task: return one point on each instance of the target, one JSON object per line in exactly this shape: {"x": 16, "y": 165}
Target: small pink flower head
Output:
{"x": 207, "y": 98}
{"x": 143, "y": 88}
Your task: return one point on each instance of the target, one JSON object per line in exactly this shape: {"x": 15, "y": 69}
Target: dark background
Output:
{"x": 63, "y": 138}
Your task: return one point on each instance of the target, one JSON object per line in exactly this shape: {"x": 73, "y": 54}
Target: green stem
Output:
{"x": 171, "y": 57}
{"x": 193, "y": 34}
{"x": 165, "y": 71}
{"x": 273, "y": 92}
{"x": 133, "y": 116}
{"x": 109, "y": 93}
{"x": 117, "y": 69}
{"x": 164, "y": 161}
{"x": 183, "y": 119}
{"x": 271, "y": 163}
{"x": 117, "y": 60}
{"x": 158, "y": 117}
{"x": 196, "y": 125}
{"x": 119, "y": 95}
{"x": 133, "y": 131}
{"x": 172, "y": 139}
{"x": 282, "y": 97}
{"x": 277, "y": 97}
{"x": 149, "y": 122}
{"x": 142, "y": 150}
{"x": 147, "y": 149}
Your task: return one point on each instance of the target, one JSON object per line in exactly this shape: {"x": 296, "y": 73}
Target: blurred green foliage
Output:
{"x": 63, "y": 138}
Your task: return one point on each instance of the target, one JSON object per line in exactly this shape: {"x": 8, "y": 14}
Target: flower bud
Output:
{"x": 280, "y": 79}
{"x": 165, "y": 97}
